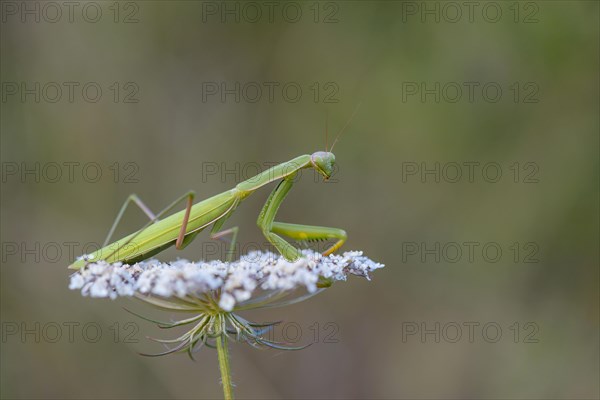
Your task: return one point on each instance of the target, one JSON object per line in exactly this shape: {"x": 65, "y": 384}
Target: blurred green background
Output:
{"x": 164, "y": 125}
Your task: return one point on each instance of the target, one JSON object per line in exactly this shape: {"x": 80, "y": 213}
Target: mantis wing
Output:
{"x": 163, "y": 234}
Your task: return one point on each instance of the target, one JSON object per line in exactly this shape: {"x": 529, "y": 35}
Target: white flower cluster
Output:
{"x": 237, "y": 280}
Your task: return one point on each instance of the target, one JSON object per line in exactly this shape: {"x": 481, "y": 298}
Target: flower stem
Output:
{"x": 223, "y": 353}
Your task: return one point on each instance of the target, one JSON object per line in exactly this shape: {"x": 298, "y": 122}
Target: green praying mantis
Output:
{"x": 181, "y": 228}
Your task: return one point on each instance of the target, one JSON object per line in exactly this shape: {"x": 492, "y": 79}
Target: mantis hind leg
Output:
{"x": 135, "y": 199}
{"x": 311, "y": 233}
{"x": 189, "y": 195}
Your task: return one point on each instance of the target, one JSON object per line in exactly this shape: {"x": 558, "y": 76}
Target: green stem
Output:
{"x": 223, "y": 353}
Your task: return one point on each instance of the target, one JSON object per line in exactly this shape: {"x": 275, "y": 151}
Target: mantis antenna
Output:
{"x": 326, "y": 128}
{"x": 345, "y": 126}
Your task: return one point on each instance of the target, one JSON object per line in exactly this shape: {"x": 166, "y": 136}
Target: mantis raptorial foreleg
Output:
{"x": 311, "y": 233}
{"x": 267, "y": 215}
{"x": 272, "y": 229}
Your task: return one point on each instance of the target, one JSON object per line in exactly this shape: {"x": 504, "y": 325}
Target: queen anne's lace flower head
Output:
{"x": 215, "y": 290}
{"x": 235, "y": 281}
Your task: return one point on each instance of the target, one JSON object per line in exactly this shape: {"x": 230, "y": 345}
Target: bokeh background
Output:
{"x": 164, "y": 125}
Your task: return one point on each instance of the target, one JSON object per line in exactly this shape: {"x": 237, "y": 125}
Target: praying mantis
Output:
{"x": 181, "y": 228}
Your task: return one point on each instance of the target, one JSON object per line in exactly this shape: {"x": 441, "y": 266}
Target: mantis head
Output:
{"x": 323, "y": 161}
